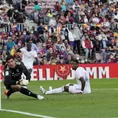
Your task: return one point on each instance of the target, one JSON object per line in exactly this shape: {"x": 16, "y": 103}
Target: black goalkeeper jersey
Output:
{"x": 13, "y": 75}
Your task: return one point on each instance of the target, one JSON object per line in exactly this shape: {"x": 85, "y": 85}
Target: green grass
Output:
{"x": 101, "y": 103}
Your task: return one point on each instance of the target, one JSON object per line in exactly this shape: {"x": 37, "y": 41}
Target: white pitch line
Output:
{"x": 27, "y": 113}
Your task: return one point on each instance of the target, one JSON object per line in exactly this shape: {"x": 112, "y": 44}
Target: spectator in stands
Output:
{"x": 40, "y": 29}
{"x": 49, "y": 13}
{"x": 53, "y": 60}
{"x": 61, "y": 19}
{"x": 52, "y": 21}
{"x": 58, "y": 7}
{"x": 61, "y": 60}
{"x": 69, "y": 51}
{"x": 4, "y": 56}
{"x": 24, "y": 3}
{"x": 1, "y": 46}
{"x": 17, "y": 4}
{"x": 9, "y": 45}
{"x": 60, "y": 44}
{"x": 44, "y": 61}
{"x": 4, "y": 36}
{"x": 116, "y": 40}
{"x": 66, "y": 44}
{"x": 97, "y": 50}
{"x": 112, "y": 46}
{"x": 111, "y": 58}
{"x": 116, "y": 58}
{"x": 87, "y": 46}
{"x": 77, "y": 40}
{"x": 71, "y": 38}
{"x": 52, "y": 30}
{"x": 68, "y": 59}
{"x": 44, "y": 51}
{"x": 63, "y": 6}
{"x": 36, "y": 6}
{"x": 49, "y": 43}
{"x": 13, "y": 51}
{"x": 96, "y": 20}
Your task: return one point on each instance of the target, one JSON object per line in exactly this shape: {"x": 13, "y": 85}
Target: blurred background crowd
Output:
{"x": 60, "y": 30}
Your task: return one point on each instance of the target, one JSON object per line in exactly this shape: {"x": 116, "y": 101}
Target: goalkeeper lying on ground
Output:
{"x": 13, "y": 81}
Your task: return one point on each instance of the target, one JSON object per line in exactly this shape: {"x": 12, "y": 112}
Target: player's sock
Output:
{"x": 42, "y": 90}
{"x": 10, "y": 92}
{"x": 56, "y": 90}
{"x": 27, "y": 92}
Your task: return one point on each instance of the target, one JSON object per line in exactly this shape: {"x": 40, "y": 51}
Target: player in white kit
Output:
{"x": 81, "y": 87}
{"x": 28, "y": 57}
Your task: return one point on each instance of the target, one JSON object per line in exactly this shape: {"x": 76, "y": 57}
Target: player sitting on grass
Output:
{"x": 82, "y": 86}
{"x": 13, "y": 81}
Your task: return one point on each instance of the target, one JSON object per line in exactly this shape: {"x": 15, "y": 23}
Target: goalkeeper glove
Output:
{"x": 24, "y": 82}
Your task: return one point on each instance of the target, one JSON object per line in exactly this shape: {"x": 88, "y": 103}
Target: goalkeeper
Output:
{"x": 13, "y": 81}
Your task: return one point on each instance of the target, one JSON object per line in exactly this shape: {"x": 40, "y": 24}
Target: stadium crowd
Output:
{"x": 86, "y": 30}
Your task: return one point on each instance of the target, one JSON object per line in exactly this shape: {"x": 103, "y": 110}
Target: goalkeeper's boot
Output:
{"x": 42, "y": 90}
{"x": 39, "y": 97}
{"x": 6, "y": 94}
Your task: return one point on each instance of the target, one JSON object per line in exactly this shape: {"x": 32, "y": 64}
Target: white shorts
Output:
{"x": 76, "y": 88}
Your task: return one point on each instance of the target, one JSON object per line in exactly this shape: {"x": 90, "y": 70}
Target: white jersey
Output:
{"x": 76, "y": 88}
{"x": 28, "y": 57}
{"x": 81, "y": 72}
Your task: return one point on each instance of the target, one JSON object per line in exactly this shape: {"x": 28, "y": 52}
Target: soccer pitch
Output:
{"x": 101, "y": 103}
